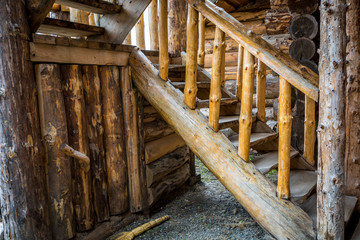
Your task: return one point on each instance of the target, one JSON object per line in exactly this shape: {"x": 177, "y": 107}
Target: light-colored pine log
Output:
{"x": 140, "y": 33}
{"x": 153, "y": 25}
{"x": 163, "y": 40}
{"x": 201, "y": 52}
{"x": 101, "y": 7}
{"x": 223, "y": 63}
{"x": 261, "y": 91}
{"x": 309, "y": 131}
{"x": 285, "y": 119}
{"x": 239, "y": 72}
{"x": 245, "y": 120}
{"x": 217, "y": 76}
{"x": 190, "y": 90}
{"x": 128, "y": 39}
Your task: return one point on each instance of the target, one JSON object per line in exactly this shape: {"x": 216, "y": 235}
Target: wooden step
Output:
{"x": 356, "y": 234}
{"x": 302, "y": 184}
{"x": 269, "y": 161}
{"x": 255, "y": 139}
{"x": 181, "y": 85}
{"x": 309, "y": 206}
{"x": 95, "y": 6}
{"x": 68, "y": 29}
{"x": 224, "y": 102}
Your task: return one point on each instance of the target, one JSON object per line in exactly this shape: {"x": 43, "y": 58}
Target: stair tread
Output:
{"x": 309, "y": 206}
{"x": 302, "y": 183}
{"x": 356, "y": 234}
{"x": 95, "y": 6}
{"x": 256, "y": 138}
{"x": 68, "y": 29}
{"x": 224, "y": 101}
{"x": 199, "y": 84}
{"x": 269, "y": 161}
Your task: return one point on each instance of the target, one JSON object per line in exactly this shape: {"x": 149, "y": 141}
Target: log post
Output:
{"x": 245, "y": 120}
{"x": 201, "y": 52}
{"x": 309, "y": 131}
{"x": 22, "y": 154}
{"x": 140, "y": 33}
{"x": 261, "y": 90}
{"x": 77, "y": 135}
{"x": 154, "y": 25}
{"x": 239, "y": 72}
{"x": 216, "y": 78}
{"x": 285, "y": 120}
{"x": 177, "y": 26}
{"x": 223, "y": 63}
{"x": 163, "y": 40}
{"x": 95, "y": 133}
{"x": 54, "y": 132}
{"x": 37, "y": 11}
{"x": 132, "y": 141}
{"x": 128, "y": 39}
{"x": 114, "y": 139}
{"x": 190, "y": 90}
{"x": 331, "y": 130}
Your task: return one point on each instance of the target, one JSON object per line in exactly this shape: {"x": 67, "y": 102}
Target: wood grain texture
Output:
{"x": 97, "y": 6}
{"x": 261, "y": 90}
{"x": 37, "y": 11}
{"x": 177, "y": 26}
{"x": 154, "y": 25}
{"x": 140, "y": 33}
{"x": 163, "y": 40}
{"x": 201, "y": 50}
{"x": 239, "y": 72}
{"x": 309, "y": 131}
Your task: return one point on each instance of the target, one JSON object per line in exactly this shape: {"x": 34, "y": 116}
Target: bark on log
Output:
{"x": 114, "y": 140}
{"x": 37, "y": 11}
{"x": 331, "y": 132}
{"x": 302, "y": 6}
{"x": 177, "y": 26}
{"x": 258, "y": 195}
{"x": 303, "y": 26}
{"x": 154, "y": 25}
{"x": 54, "y": 131}
{"x": 22, "y": 155}
{"x": 77, "y": 136}
{"x": 352, "y": 154}
{"x": 95, "y": 133}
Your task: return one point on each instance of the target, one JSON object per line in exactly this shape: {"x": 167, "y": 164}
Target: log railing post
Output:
{"x": 201, "y": 54}
{"x": 239, "y": 74}
{"x": 245, "y": 120}
{"x": 163, "y": 33}
{"x": 154, "y": 25}
{"x": 140, "y": 33}
{"x": 190, "y": 90}
{"x": 217, "y": 76}
{"x": 260, "y": 90}
{"x": 285, "y": 119}
{"x": 309, "y": 130}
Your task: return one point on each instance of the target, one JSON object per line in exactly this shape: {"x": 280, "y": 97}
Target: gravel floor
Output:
{"x": 204, "y": 211}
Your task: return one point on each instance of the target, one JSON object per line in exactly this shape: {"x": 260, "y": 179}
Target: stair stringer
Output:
{"x": 255, "y": 193}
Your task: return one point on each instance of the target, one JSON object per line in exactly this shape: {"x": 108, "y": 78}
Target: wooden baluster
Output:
{"x": 128, "y": 39}
{"x": 239, "y": 75}
{"x": 245, "y": 120}
{"x": 201, "y": 54}
{"x": 190, "y": 90}
{"x": 285, "y": 119}
{"x": 163, "y": 32}
{"x": 140, "y": 33}
{"x": 154, "y": 24}
{"x": 260, "y": 91}
{"x": 309, "y": 130}
{"x": 223, "y": 63}
{"x": 217, "y": 75}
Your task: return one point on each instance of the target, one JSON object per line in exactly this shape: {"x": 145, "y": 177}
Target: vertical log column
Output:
{"x": 154, "y": 25}
{"x": 331, "y": 131}
{"x": 201, "y": 53}
{"x": 95, "y": 133}
{"x": 285, "y": 120}
{"x": 190, "y": 90}
{"x": 216, "y": 77}
{"x": 163, "y": 33}
{"x": 260, "y": 91}
{"x": 114, "y": 140}
{"x": 140, "y": 33}
{"x": 177, "y": 26}
{"x": 54, "y": 131}
{"x": 245, "y": 120}
{"x": 77, "y": 134}
{"x": 128, "y": 39}
{"x": 239, "y": 74}
{"x": 309, "y": 130}
{"x": 22, "y": 158}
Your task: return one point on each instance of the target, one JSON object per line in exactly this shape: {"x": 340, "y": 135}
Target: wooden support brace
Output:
{"x": 260, "y": 91}
{"x": 309, "y": 131}
{"x": 83, "y": 159}
{"x": 164, "y": 41}
{"x": 239, "y": 74}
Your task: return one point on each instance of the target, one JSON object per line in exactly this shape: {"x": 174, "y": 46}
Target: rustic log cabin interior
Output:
{"x": 105, "y": 107}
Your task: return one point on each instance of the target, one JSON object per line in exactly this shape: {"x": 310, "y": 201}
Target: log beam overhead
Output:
{"x": 95, "y": 6}
{"x": 37, "y": 11}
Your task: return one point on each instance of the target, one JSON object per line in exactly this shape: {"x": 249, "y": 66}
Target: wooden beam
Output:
{"x": 154, "y": 25}
{"x": 300, "y": 77}
{"x": 76, "y": 55}
{"x": 257, "y": 195}
{"x": 163, "y": 40}
{"x": 37, "y": 11}
{"x": 97, "y": 6}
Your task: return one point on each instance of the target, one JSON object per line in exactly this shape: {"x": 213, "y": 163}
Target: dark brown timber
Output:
{"x": 37, "y": 11}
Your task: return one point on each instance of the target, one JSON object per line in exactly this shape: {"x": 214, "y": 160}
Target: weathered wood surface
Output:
{"x": 277, "y": 21}
{"x": 71, "y": 77}
{"x": 309, "y": 131}
{"x": 163, "y": 40}
{"x": 261, "y": 90}
{"x": 302, "y": 184}
{"x": 140, "y": 33}
{"x": 153, "y": 25}
{"x": 352, "y": 153}
{"x": 257, "y": 27}
{"x": 95, "y": 134}
{"x": 115, "y": 148}
{"x": 255, "y": 138}
{"x": 302, "y": 49}
{"x": 303, "y": 26}
{"x": 202, "y": 44}
{"x": 97, "y": 6}
{"x": 269, "y": 161}
{"x": 22, "y": 154}
{"x": 331, "y": 131}
{"x": 302, "y": 78}
{"x": 302, "y": 7}
{"x": 156, "y": 129}
{"x": 54, "y": 132}
{"x": 239, "y": 72}
{"x": 177, "y": 26}
{"x": 258, "y": 196}
{"x": 84, "y": 161}
{"x": 37, "y": 11}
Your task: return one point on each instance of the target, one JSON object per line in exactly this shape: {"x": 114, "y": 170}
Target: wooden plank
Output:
{"x": 95, "y": 6}
{"x": 69, "y": 29}
{"x": 302, "y": 184}
{"x": 269, "y": 161}
{"x": 255, "y": 139}
{"x": 77, "y": 55}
